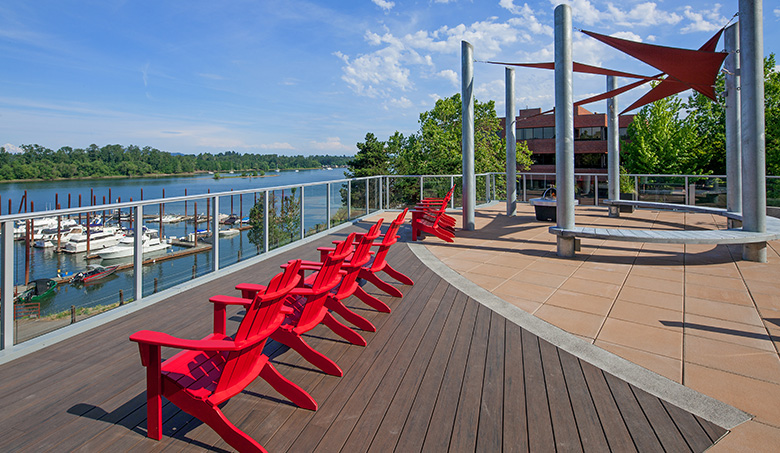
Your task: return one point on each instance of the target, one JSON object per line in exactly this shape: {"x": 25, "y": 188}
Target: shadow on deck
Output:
{"x": 442, "y": 372}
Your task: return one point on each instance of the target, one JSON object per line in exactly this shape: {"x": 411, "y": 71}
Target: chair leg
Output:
{"x": 397, "y": 275}
{"x": 350, "y": 316}
{"x": 307, "y": 352}
{"x": 379, "y": 283}
{"x": 343, "y": 331}
{"x": 371, "y": 301}
{"x": 152, "y": 356}
{"x": 286, "y": 387}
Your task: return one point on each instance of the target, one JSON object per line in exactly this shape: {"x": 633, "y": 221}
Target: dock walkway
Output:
{"x": 443, "y": 372}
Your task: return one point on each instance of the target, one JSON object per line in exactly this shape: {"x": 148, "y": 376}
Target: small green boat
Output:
{"x": 37, "y": 290}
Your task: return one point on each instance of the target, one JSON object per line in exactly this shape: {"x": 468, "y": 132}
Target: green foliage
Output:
{"x": 772, "y": 114}
{"x": 37, "y": 162}
{"x": 372, "y": 159}
{"x": 284, "y": 219}
{"x": 661, "y": 140}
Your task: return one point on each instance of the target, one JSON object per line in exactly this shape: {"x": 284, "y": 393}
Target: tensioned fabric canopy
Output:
{"x": 684, "y": 69}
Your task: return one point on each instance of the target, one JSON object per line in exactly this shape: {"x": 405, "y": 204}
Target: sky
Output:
{"x": 300, "y": 77}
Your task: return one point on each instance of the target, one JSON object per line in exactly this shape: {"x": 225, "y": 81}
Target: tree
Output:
{"x": 661, "y": 140}
{"x": 372, "y": 159}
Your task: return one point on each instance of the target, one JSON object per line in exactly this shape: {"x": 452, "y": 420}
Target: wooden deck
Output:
{"x": 442, "y": 373}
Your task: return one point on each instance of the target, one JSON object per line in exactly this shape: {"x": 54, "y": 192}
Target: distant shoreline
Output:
{"x": 150, "y": 175}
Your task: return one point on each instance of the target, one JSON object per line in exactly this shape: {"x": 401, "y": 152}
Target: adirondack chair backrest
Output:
{"x": 327, "y": 278}
{"x": 360, "y": 257}
{"x": 389, "y": 239}
{"x": 261, "y": 318}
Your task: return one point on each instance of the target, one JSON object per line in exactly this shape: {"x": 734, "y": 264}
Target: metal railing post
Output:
{"x": 367, "y": 188}
{"x": 452, "y": 198}
{"x": 379, "y": 181}
{"x": 327, "y": 206}
{"x": 303, "y": 204}
{"x": 138, "y": 252}
{"x": 596, "y": 184}
{"x": 349, "y": 199}
{"x": 7, "y": 284}
{"x": 215, "y": 234}
{"x": 687, "y": 195}
{"x": 266, "y": 233}
{"x": 525, "y": 194}
{"x": 421, "y": 187}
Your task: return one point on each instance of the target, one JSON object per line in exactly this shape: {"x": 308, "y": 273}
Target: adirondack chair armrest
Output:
{"x": 249, "y": 290}
{"x": 151, "y": 338}
{"x": 287, "y": 310}
{"x": 220, "y": 313}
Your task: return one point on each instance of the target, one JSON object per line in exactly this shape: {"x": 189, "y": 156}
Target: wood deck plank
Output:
{"x": 400, "y": 380}
{"x": 564, "y": 425}
{"x": 491, "y": 412}
{"x": 515, "y": 424}
{"x": 585, "y": 413}
{"x": 694, "y": 434}
{"x": 540, "y": 429}
{"x": 615, "y": 429}
{"x": 371, "y": 398}
{"x": 464, "y": 429}
{"x": 437, "y": 438}
{"x": 641, "y": 431}
{"x": 663, "y": 425}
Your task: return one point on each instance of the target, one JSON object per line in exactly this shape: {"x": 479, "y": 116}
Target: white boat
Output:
{"x": 125, "y": 247}
{"x": 38, "y": 225}
{"x": 228, "y": 232}
{"x": 49, "y": 235}
{"x": 98, "y": 239}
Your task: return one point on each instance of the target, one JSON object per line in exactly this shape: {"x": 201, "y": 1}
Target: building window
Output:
{"x": 623, "y": 131}
{"x": 589, "y": 133}
{"x": 534, "y": 133}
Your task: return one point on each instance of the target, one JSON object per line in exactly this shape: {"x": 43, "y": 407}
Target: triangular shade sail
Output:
{"x": 694, "y": 67}
{"x": 577, "y": 67}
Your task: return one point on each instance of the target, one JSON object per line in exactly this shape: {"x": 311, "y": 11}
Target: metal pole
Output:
{"x": 303, "y": 226}
{"x": 265, "y": 221}
{"x": 422, "y": 186}
{"x": 349, "y": 199}
{"x": 751, "y": 47}
{"x": 327, "y": 206}
{"x": 564, "y": 128}
{"x": 613, "y": 148}
{"x": 367, "y": 188}
{"x": 138, "y": 252}
{"x": 733, "y": 129}
{"x": 215, "y": 234}
{"x": 467, "y": 134}
{"x": 7, "y": 283}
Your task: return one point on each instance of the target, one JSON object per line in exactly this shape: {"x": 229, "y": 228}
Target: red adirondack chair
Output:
{"x": 309, "y": 310}
{"x": 351, "y": 269}
{"x": 433, "y": 222}
{"x": 212, "y": 370}
{"x": 370, "y": 270}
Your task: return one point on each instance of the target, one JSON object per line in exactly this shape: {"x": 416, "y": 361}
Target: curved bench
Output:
{"x": 726, "y": 236}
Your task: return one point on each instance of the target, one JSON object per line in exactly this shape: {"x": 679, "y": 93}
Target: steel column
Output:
{"x": 733, "y": 129}
{"x": 467, "y": 135}
{"x": 7, "y": 284}
{"x": 564, "y": 128}
{"x": 138, "y": 251}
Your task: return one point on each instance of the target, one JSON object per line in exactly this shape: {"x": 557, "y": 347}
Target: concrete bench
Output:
{"x": 726, "y": 236}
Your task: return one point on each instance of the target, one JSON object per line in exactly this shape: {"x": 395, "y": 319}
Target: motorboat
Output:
{"x": 228, "y": 232}
{"x": 94, "y": 272}
{"x": 98, "y": 239}
{"x": 49, "y": 235}
{"x": 37, "y": 290}
{"x": 151, "y": 242}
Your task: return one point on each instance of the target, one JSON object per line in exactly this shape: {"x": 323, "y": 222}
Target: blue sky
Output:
{"x": 297, "y": 77}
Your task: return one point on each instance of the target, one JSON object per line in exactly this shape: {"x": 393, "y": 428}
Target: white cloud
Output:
{"x": 276, "y": 145}
{"x": 777, "y": 12}
{"x": 582, "y": 11}
{"x": 13, "y": 149}
{"x": 643, "y": 14}
{"x": 384, "y": 4}
{"x": 331, "y": 144}
{"x": 211, "y": 76}
{"x": 449, "y": 74}
{"x": 527, "y": 18}
{"x": 401, "y": 103}
{"x": 631, "y": 36}
{"x": 706, "y": 20}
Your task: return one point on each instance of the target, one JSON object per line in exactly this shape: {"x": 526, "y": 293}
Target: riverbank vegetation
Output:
{"x": 38, "y": 162}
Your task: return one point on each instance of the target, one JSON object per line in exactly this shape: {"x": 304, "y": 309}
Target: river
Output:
{"x": 45, "y": 263}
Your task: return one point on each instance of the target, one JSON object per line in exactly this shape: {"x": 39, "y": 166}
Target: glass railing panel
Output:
{"x": 284, "y": 217}
{"x": 357, "y": 198}
{"x": 585, "y": 189}
{"x": 436, "y": 186}
{"x": 710, "y": 191}
{"x": 773, "y": 191}
{"x": 315, "y": 212}
{"x": 374, "y": 194}
{"x": 404, "y": 192}
{"x": 56, "y": 250}
{"x": 662, "y": 189}
{"x": 339, "y": 193}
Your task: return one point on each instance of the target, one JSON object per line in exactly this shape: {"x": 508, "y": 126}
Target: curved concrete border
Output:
{"x": 686, "y": 398}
